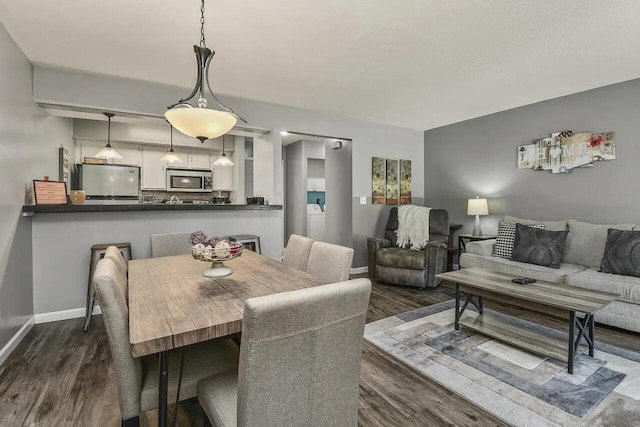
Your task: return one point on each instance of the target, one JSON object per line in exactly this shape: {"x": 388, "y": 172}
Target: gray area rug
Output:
{"x": 521, "y": 388}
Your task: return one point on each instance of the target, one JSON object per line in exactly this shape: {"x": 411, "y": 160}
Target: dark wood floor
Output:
{"x": 60, "y": 376}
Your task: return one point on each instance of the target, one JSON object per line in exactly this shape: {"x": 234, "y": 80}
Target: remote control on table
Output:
{"x": 523, "y": 280}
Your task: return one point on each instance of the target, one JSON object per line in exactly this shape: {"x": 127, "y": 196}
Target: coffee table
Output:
{"x": 577, "y": 305}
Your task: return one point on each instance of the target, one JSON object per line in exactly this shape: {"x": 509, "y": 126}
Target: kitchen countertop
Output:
{"x": 29, "y": 210}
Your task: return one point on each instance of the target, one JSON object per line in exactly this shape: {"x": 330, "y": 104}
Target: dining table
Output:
{"x": 172, "y": 305}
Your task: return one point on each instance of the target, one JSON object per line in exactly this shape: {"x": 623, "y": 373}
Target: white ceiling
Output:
{"x": 412, "y": 63}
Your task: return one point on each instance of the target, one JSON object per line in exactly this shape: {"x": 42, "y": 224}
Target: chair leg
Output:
{"x": 131, "y": 422}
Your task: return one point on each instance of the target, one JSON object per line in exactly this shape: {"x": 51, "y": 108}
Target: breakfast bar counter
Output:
{"x": 28, "y": 210}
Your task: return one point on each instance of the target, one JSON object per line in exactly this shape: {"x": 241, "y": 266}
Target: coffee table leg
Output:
{"x": 457, "y": 324}
{"x": 592, "y": 342}
{"x": 572, "y": 345}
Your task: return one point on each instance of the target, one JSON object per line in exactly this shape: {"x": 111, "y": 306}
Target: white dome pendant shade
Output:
{"x": 108, "y": 152}
{"x": 201, "y": 123}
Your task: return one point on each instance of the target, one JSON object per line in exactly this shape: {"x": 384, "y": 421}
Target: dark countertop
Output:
{"x": 28, "y": 210}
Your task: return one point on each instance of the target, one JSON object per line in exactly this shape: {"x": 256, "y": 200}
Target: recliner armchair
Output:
{"x": 402, "y": 266}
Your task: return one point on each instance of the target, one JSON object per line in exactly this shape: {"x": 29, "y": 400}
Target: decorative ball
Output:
{"x": 197, "y": 237}
{"x": 223, "y": 249}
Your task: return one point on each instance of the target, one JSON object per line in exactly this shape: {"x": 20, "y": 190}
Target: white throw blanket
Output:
{"x": 413, "y": 226}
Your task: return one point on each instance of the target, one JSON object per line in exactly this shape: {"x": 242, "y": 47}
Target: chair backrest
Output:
{"x": 111, "y": 287}
{"x": 438, "y": 226}
{"x": 170, "y": 244}
{"x": 114, "y": 253}
{"x": 296, "y": 254}
{"x": 300, "y": 356}
{"x": 331, "y": 262}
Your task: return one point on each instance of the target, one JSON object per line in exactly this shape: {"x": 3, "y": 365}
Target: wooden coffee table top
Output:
{"x": 561, "y": 296}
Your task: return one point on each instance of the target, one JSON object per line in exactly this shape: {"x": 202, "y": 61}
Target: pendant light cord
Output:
{"x": 202, "y": 42}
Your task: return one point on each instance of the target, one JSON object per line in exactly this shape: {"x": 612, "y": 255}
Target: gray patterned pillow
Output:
{"x": 622, "y": 253}
{"x": 505, "y": 239}
{"x": 541, "y": 247}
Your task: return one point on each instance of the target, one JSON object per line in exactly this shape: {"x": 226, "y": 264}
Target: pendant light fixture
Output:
{"x": 201, "y": 122}
{"x": 223, "y": 160}
{"x": 108, "y": 152}
{"x": 171, "y": 156}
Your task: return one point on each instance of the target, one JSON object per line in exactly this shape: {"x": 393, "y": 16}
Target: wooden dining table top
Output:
{"x": 171, "y": 304}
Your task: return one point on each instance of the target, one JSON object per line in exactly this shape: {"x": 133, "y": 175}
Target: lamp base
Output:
{"x": 477, "y": 231}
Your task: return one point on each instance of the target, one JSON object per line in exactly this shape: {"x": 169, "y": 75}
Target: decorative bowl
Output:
{"x": 223, "y": 251}
{"x": 77, "y": 197}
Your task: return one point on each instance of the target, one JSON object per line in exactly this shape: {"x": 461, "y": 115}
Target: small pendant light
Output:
{"x": 108, "y": 152}
{"x": 171, "y": 156}
{"x": 223, "y": 160}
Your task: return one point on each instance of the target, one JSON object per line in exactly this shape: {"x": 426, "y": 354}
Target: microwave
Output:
{"x": 190, "y": 180}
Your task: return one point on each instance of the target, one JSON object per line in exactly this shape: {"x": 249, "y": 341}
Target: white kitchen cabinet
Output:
{"x": 131, "y": 154}
{"x": 199, "y": 160}
{"x": 315, "y": 175}
{"x": 153, "y": 170}
{"x": 222, "y": 177}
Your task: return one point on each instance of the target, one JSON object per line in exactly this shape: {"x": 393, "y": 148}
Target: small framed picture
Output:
{"x": 50, "y": 192}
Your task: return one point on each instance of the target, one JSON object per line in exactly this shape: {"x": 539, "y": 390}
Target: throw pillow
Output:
{"x": 536, "y": 246}
{"x": 505, "y": 238}
{"x": 622, "y": 253}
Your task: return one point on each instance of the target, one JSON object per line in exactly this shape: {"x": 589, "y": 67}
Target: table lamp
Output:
{"x": 477, "y": 207}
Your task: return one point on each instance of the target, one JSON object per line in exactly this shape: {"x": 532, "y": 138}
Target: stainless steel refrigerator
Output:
{"x": 109, "y": 180}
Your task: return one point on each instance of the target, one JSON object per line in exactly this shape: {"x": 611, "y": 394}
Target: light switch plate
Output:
{"x": 363, "y": 200}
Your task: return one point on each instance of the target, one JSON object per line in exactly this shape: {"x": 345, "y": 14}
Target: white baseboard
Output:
{"x": 17, "y": 339}
{"x": 359, "y": 270}
{"x": 55, "y": 316}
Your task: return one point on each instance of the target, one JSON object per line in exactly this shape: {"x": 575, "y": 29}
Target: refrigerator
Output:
{"x": 109, "y": 180}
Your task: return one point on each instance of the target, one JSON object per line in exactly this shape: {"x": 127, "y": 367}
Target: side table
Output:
{"x": 469, "y": 238}
{"x": 451, "y": 250}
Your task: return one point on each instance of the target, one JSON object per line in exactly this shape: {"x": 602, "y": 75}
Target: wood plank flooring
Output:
{"x": 60, "y": 376}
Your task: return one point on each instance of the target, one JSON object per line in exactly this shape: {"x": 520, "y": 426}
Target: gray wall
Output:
{"x": 296, "y": 190}
{"x": 338, "y": 209}
{"x": 28, "y": 142}
{"x": 65, "y": 87}
{"x": 478, "y": 157}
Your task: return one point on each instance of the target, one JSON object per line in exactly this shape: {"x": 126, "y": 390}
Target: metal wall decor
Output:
{"x": 390, "y": 181}
{"x": 564, "y": 151}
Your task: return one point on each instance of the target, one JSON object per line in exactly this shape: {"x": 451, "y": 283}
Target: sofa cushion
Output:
{"x": 586, "y": 242}
{"x": 548, "y": 225}
{"x": 401, "y": 258}
{"x": 622, "y": 253}
{"x": 516, "y": 268}
{"x": 536, "y": 246}
{"x": 506, "y": 238}
{"x": 628, "y": 287}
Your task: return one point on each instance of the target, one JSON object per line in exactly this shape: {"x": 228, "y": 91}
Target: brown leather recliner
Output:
{"x": 402, "y": 266}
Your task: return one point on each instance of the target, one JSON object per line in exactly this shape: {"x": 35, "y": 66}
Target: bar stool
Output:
{"x": 249, "y": 241}
{"x": 97, "y": 253}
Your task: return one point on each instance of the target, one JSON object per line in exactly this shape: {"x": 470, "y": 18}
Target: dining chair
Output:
{"x": 114, "y": 253}
{"x": 299, "y": 360}
{"x": 170, "y": 244}
{"x": 331, "y": 262}
{"x": 137, "y": 378}
{"x": 296, "y": 254}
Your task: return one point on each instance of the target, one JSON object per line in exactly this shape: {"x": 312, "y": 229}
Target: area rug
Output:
{"x": 518, "y": 387}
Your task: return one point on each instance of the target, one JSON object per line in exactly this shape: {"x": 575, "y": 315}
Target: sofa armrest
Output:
{"x": 481, "y": 247}
{"x": 373, "y": 244}
{"x": 437, "y": 262}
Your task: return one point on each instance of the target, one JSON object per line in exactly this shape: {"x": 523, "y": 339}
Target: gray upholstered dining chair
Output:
{"x": 331, "y": 262}
{"x": 114, "y": 253}
{"x": 296, "y": 254}
{"x": 170, "y": 244}
{"x": 137, "y": 378}
{"x": 299, "y": 360}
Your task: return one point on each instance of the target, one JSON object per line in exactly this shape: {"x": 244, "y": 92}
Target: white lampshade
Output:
{"x": 201, "y": 123}
{"x": 477, "y": 206}
{"x": 171, "y": 157}
{"x": 108, "y": 153}
{"x": 223, "y": 160}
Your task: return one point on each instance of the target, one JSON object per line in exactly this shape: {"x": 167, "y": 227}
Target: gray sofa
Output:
{"x": 399, "y": 266}
{"x": 582, "y": 256}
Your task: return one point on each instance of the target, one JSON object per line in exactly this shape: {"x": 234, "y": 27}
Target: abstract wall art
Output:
{"x": 405, "y": 182}
{"x": 378, "y": 180}
{"x": 564, "y": 151}
{"x": 390, "y": 181}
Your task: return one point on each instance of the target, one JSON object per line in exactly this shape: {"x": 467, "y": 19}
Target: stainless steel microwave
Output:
{"x": 190, "y": 180}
